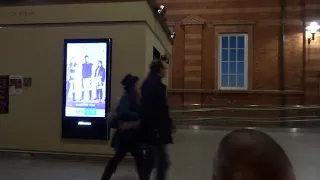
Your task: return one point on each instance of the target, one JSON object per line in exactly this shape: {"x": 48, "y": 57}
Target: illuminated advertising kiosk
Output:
{"x": 86, "y": 90}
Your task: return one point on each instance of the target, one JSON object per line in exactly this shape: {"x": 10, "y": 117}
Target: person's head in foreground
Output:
{"x": 157, "y": 67}
{"x": 248, "y": 154}
{"x": 131, "y": 86}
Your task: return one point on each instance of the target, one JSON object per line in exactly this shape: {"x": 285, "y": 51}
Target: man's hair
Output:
{"x": 251, "y": 151}
{"x": 156, "y": 66}
{"x": 86, "y": 56}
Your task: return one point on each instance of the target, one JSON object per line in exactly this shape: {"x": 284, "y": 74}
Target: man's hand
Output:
{"x": 129, "y": 125}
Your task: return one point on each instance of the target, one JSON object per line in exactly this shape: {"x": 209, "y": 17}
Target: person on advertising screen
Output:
{"x": 71, "y": 71}
{"x": 100, "y": 77}
{"x": 86, "y": 77}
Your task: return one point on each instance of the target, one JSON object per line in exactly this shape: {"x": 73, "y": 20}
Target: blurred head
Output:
{"x": 248, "y": 154}
{"x": 99, "y": 63}
{"x": 86, "y": 58}
{"x": 72, "y": 60}
{"x": 158, "y": 67}
{"x": 130, "y": 83}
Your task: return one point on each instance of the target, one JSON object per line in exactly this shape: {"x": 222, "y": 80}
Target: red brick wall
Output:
{"x": 312, "y": 55}
{"x": 194, "y": 77}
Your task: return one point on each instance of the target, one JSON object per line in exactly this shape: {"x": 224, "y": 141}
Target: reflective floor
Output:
{"x": 191, "y": 157}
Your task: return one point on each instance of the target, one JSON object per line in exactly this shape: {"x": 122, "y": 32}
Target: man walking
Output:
{"x": 156, "y": 124}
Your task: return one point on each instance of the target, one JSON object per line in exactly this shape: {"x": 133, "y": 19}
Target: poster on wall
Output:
{"x": 27, "y": 82}
{"x": 86, "y": 79}
{"x": 4, "y": 94}
{"x": 15, "y": 84}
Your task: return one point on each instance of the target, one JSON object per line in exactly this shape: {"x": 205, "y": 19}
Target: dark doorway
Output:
{"x": 156, "y": 53}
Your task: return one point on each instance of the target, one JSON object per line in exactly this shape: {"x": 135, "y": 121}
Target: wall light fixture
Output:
{"x": 313, "y": 29}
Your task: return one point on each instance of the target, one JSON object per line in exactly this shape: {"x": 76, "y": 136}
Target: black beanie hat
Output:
{"x": 129, "y": 81}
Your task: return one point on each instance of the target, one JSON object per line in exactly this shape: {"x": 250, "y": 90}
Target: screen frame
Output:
{"x": 72, "y": 122}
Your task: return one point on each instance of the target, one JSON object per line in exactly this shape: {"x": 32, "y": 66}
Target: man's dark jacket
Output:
{"x": 86, "y": 70}
{"x": 156, "y": 124}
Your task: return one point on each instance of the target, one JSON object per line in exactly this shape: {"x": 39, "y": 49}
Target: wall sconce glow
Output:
{"x": 313, "y": 28}
{"x": 82, "y": 123}
{"x": 162, "y": 10}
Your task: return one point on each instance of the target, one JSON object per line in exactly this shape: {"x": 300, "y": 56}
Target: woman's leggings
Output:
{"x": 111, "y": 167}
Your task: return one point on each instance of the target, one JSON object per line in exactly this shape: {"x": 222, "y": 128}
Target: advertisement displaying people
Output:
{"x": 86, "y": 79}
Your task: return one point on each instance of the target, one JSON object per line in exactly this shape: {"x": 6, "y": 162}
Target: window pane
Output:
{"x": 240, "y": 81}
{"x": 225, "y": 41}
{"x": 233, "y": 68}
{"x": 233, "y": 42}
{"x": 232, "y": 81}
{"x": 240, "y": 54}
{"x": 224, "y": 81}
{"x": 225, "y": 55}
{"x": 233, "y": 59}
{"x": 233, "y": 55}
{"x": 225, "y": 68}
{"x": 240, "y": 67}
{"x": 240, "y": 41}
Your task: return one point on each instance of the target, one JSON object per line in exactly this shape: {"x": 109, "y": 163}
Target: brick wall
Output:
{"x": 312, "y": 55}
{"x": 194, "y": 71}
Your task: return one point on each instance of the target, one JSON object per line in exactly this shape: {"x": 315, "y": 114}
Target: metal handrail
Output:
{"x": 271, "y": 120}
{"x": 241, "y": 118}
{"x": 202, "y": 104}
{"x": 248, "y": 105}
{"x": 250, "y": 108}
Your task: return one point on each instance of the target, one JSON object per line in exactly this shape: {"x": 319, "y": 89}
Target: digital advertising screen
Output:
{"x": 86, "y": 88}
{"x": 86, "y": 79}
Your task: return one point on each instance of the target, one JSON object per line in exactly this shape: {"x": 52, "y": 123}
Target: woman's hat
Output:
{"x": 129, "y": 81}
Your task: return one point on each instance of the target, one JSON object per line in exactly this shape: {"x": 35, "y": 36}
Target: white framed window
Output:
{"x": 233, "y": 61}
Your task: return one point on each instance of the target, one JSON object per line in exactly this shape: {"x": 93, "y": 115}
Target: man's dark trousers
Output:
{"x": 156, "y": 157}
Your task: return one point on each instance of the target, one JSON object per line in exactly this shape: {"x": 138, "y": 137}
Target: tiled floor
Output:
{"x": 191, "y": 157}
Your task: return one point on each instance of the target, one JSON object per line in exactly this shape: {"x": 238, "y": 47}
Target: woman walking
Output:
{"x": 127, "y": 124}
